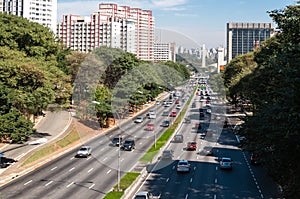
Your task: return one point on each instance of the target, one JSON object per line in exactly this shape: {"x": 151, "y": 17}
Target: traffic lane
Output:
{"x": 238, "y": 182}
{"x": 267, "y": 185}
{"x": 164, "y": 175}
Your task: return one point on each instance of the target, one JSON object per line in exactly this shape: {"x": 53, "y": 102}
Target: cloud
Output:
{"x": 185, "y": 15}
{"x": 168, "y": 3}
{"x": 174, "y": 8}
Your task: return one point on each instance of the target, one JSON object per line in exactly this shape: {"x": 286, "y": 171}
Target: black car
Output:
{"x": 116, "y": 141}
{"x": 128, "y": 145}
{"x": 201, "y": 114}
{"x": 165, "y": 123}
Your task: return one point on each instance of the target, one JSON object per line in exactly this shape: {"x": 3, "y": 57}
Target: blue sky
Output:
{"x": 200, "y": 21}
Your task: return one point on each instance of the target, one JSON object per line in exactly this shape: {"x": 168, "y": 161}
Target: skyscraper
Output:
{"x": 40, "y": 11}
{"x": 245, "y": 37}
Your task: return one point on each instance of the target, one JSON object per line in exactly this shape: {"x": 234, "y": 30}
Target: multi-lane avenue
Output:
{"x": 94, "y": 176}
{"x": 206, "y": 179}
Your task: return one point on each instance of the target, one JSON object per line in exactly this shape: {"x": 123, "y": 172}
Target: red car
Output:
{"x": 149, "y": 127}
{"x": 191, "y": 146}
{"x": 173, "y": 114}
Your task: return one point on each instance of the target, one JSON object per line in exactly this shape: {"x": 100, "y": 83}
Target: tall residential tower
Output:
{"x": 43, "y": 12}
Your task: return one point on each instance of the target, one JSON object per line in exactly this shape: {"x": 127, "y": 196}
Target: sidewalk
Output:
{"x": 45, "y": 128}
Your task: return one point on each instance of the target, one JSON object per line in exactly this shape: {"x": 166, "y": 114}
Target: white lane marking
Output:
{"x": 72, "y": 158}
{"x": 92, "y": 186}
{"x": 198, "y": 157}
{"x": 102, "y": 149}
{"x": 216, "y": 181}
{"x": 89, "y": 158}
{"x": 105, "y": 159}
{"x": 141, "y": 143}
{"x": 122, "y": 159}
{"x": 216, "y": 168}
{"x": 117, "y": 149}
{"x": 186, "y": 196}
{"x": 48, "y": 183}
{"x": 70, "y": 184}
{"x": 91, "y": 169}
{"x": 28, "y": 182}
{"x": 100, "y": 142}
{"x": 173, "y": 167}
{"x": 191, "y": 180}
{"x": 167, "y": 179}
{"x": 195, "y": 168}
{"x": 215, "y": 196}
{"x": 53, "y": 168}
{"x": 108, "y": 171}
{"x": 72, "y": 169}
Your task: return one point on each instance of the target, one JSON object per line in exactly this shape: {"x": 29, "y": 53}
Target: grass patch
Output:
{"x": 48, "y": 150}
{"x": 125, "y": 182}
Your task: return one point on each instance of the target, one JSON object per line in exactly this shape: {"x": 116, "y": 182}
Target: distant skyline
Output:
{"x": 199, "y": 21}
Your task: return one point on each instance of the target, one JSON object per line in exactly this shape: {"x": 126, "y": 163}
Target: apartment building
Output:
{"x": 164, "y": 52}
{"x": 131, "y": 29}
{"x": 43, "y": 12}
{"x": 245, "y": 37}
{"x": 87, "y": 33}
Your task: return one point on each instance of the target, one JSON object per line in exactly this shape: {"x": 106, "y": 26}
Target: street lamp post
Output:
{"x": 119, "y": 151}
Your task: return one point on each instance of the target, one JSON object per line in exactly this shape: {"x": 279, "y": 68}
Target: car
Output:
{"x": 167, "y": 154}
{"x": 157, "y": 102}
{"x": 152, "y": 116}
{"x": 84, "y": 151}
{"x": 177, "y": 101}
{"x": 165, "y": 113}
{"x": 128, "y": 145}
{"x": 208, "y": 111}
{"x": 255, "y": 159}
{"x": 183, "y": 166}
{"x": 226, "y": 163}
{"x": 139, "y": 119}
{"x": 207, "y": 150}
{"x": 143, "y": 195}
{"x": 173, "y": 114}
{"x": 165, "y": 123}
{"x": 149, "y": 127}
{"x": 193, "y": 105}
{"x": 178, "y": 138}
{"x": 167, "y": 105}
{"x": 178, "y": 106}
{"x": 170, "y": 101}
{"x": 150, "y": 112}
{"x": 117, "y": 141}
{"x": 191, "y": 146}
{"x": 201, "y": 133}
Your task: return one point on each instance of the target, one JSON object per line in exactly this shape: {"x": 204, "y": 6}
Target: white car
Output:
{"x": 226, "y": 163}
{"x": 138, "y": 119}
{"x": 143, "y": 195}
{"x": 84, "y": 151}
{"x": 183, "y": 166}
{"x": 152, "y": 116}
{"x": 178, "y": 106}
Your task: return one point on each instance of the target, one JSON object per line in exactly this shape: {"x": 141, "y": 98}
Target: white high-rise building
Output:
{"x": 43, "y": 12}
{"x": 87, "y": 33}
{"x": 164, "y": 52}
{"x": 144, "y": 26}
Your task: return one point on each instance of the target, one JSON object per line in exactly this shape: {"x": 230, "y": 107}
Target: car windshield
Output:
{"x": 183, "y": 163}
{"x": 226, "y": 160}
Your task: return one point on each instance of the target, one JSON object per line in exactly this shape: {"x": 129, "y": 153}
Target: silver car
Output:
{"x": 226, "y": 163}
{"x": 183, "y": 166}
{"x": 84, "y": 151}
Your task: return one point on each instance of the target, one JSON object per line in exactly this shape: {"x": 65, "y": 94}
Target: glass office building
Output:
{"x": 245, "y": 37}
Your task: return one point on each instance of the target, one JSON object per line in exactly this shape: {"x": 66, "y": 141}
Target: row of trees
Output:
{"x": 31, "y": 75}
{"x": 120, "y": 83}
{"x": 269, "y": 79}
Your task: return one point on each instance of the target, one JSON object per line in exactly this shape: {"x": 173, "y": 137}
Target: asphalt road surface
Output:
{"x": 91, "y": 177}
